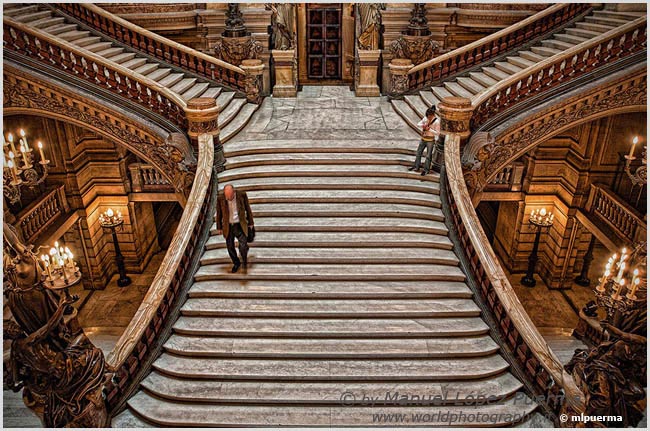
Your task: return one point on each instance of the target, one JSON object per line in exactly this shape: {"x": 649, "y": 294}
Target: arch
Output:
{"x": 27, "y": 93}
{"x": 485, "y": 158}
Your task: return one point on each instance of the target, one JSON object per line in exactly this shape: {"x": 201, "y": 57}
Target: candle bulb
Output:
{"x": 10, "y": 138}
{"x": 40, "y": 150}
{"x": 634, "y": 142}
{"x": 24, "y": 140}
{"x": 621, "y": 268}
{"x": 621, "y": 284}
{"x": 12, "y": 167}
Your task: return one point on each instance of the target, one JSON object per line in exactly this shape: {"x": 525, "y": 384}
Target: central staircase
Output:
{"x": 353, "y": 292}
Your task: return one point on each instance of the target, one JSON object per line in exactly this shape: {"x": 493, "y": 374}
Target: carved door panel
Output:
{"x": 324, "y": 41}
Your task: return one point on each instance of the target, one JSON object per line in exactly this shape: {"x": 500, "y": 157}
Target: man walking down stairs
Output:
{"x": 353, "y": 291}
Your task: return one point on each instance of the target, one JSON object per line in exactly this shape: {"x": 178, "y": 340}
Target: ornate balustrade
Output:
{"x": 144, "y": 331}
{"x": 524, "y": 342}
{"x": 146, "y": 178}
{"x": 508, "y": 179}
{"x": 432, "y": 72}
{"x": 579, "y": 60}
{"x": 88, "y": 66}
{"x": 157, "y": 46}
{"x": 614, "y": 211}
{"x": 40, "y": 215}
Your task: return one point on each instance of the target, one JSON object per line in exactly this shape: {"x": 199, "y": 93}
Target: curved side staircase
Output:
{"x": 235, "y": 112}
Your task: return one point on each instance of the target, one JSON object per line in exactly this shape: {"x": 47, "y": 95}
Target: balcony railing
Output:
{"x": 508, "y": 179}
{"x": 146, "y": 178}
{"x": 613, "y": 210}
{"x": 40, "y": 215}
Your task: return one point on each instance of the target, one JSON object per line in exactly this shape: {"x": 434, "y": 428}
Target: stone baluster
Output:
{"x": 136, "y": 178}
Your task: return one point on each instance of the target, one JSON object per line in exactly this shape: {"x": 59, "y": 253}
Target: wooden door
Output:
{"x": 324, "y": 51}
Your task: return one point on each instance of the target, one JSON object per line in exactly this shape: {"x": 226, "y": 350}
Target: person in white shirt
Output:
{"x": 430, "y": 126}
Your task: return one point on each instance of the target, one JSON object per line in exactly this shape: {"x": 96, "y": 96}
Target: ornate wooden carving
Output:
{"x": 234, "y": 50}
{"x": 416, "y": 48}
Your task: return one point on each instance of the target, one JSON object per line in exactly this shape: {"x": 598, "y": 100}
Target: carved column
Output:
{"x": 368, "y": 64}
{"x": 236, "y": 44}
{"x": 253, "y": 69}
{"x": 285, "y": 73}
{"x": 399, "y": 83}
{"x": 203, "y": 116}
{"x": 416, "y": 42}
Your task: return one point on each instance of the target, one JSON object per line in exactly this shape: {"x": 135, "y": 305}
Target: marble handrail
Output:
{"x": 146, "y": 324}
{"x": 617, "y": 213}
{"x": 494, "y": 44}
{"x": 42, "y": 213}
{"x": 520, "y": 332}
{"x": 559, "y": 68}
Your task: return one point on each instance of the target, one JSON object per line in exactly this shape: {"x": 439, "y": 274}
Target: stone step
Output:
{"x": 99, "y": 46}
{"x": 603, "y": 20}
{"x": 347, "y": 224}
{"x": 129, "y": 419}
{"x": 146, "y": 69}
{"x": 171, "y": 79}
{"x": 429, "y": 98}
{"x": 347, "y": 210}
{"x": 344, "y": 196}
{"x": 134, "y": 63}
{"x": 508, "y": 68}
{"x": 494, "y": 73}
{"x": 18, "y": 10}
{"x": 332, "y": 255}
{"x": 86, "y": 41}
{"x": 238, "y": 123}
{"x": 625, "y": 16}
{"x": 407, "y": 113}
{"x": 570, "y": 38}
{"x": 59, "y": 28}
{"x": 417, "y": 104}
{"x": 330, "y": 308}
{"x": 195, "y": 91}
{"x": 183, "y": 85}
{"x": 599, "y": 28}
{"x": 457, "y": 90}
{"x": 558, "y": 44}
{"x": 520, "y": 62}
{"x": 47, "y": 22}
{"x": 530, "y": 55}
{"x": 72, "y": 36}
{"x": 212, "y": 92}
{"x": 441, "y": 92}
{"x": 110, "y": 52}
{"x": 159, "y": 74}
{"x": 122, "y": 57}
{"x": 230, "y": 111}
{"x": 483, "y": 79}
{"x": 545, "y": 50}
{"x": 434, "y": 369}
{"x": 338, "y": 272}
{"x": 588, "y": 34}
{"x": 33, "y": 15}
{"x": 323, "y": 393}
{"x": 318, "y": 159}
{"x": 471, "y": 85}
{"x": 328, "y": 289}
{"x": 353, "y": 172}
{"x": 224, "y": 99}
{"x": 177, "y": 414}
{"x": 391, "y": 146}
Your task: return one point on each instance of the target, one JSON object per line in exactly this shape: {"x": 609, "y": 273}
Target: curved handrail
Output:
{"x": 498, "y": 291}
{"x": 156, "y": 45}
{"x": 495, "y": 44}
{"x": 85, "y": 64}
{"x": 613, "y": 45}
{"x": 148, "y": 320}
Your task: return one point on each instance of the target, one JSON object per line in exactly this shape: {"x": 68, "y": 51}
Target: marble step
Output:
{"x": 570, "y": 38}
{"x": 224, "y": 99}
{"x": 507, "y": 67}
{"x": 230, "y": 111}
{"x": 323, "y": 393}
{"x": 470, "y": 85}
{"x": 319, "y": 159}
{"x": 135, "y": 63}
{"x": 592, "y": 26}
{"x": 625, "y": 16}
{"x": 351, "y": 171}
{"x": 520, "y": 62}
{"x": 417, "y": 104}
{"x": 334, "y": 272}
{"x": 588, "y": 34}
{"x": 390, "y": 146}
{"x": 494, "y": 73}
{"x": 430, "y": 369}
{"x": 346, "y": 224}
{"x": 212, "y": 92}
{"x": 340, "y": 239}
{"x": 195, "y": 91}
{"x": 238, "y": 123}
{"x": 84, "y": 42}
{"x": 178, "y": 414}
{"x": 407, "y": 113}
{"x": 183, "y": 85}
{"x": 123, "y": 57}
{"x": 483, "y": 79}
{"x": 330, "y": 255}
{"x": 12, "y": 10}
{"x": 441, "y": 92}
{"x": 171, "y": 80}
{"x": 545, "y": 51}
{"x": 428, "y": 98}
{"x": 328, "y": 289}
{"x": 337, "y": 183}
{"x": 129, "y": 419}
{"x": 558, "y": 44}
{"x": 347, "y": 210}
{"x": 72, "y": 36}
{"x": 159, "y": 74}
{"x": 59, "y": 28}
{"x": 33, "y": 15}
{"x": 98, "y": 47}
{"x": 530, "y": 55}
{"x": 604, "y": 20}
{"x": 344, "y": 196}
{"x": 330, "y": 308}
{"x": 111, "y": 52}
{"x": 453, "y": 327}
{"x": 46, "y": 22}
{"x": 458, "y": 90}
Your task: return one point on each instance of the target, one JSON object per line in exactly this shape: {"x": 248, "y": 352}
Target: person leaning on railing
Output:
{"x": 430, "y": 126}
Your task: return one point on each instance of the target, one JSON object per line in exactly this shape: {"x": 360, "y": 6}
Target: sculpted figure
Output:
{"x": 283, "y": 22}
{"x": 370, "y": 22}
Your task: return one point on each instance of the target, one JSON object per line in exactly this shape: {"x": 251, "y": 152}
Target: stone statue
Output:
{"x": 59, "y": 370}
{"x": 369, "y": 24}
{"x": 612, "y": 375}
{"x": 283, "y": 23}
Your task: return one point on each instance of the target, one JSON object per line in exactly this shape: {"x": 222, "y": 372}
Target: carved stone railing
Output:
{"x": 444, "y": 66}
{"x": 544, "y": 371}
{"x": 146, "y": 178}
{"x": 508, "y": 179}
{"x": 40, "y": 215}
{"x": 613, "y": 210}
{"x": 579, "y": 60}
{"x": 158, "y": 46}
{"x": 138, "y": 340}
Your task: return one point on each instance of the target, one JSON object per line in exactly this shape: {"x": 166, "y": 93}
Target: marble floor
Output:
{"x": 104, "y": 315}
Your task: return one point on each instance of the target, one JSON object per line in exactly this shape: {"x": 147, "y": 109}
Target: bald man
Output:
{"x": 234, "y": 217}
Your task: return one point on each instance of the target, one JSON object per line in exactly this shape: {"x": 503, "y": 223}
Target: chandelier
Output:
{"x": 61, "y": 271}
{"x": 19, "y": 168}
{"x": 640, "y": 175}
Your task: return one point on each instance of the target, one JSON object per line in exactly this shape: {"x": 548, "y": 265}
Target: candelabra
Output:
{"x": 61, "y": 271}
{"x": 541, "y": 220}
{"x": 19, "y": 168}
{"x": 618, "y": 287}
{"x": 640, "y": 176}
{"x": 111, "y": 222}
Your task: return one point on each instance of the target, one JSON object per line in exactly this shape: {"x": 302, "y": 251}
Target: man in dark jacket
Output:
{"x": 234, "y": 219}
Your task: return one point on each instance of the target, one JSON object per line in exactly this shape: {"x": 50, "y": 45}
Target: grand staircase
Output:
{"x": 352, "y": 291}
{"x": 234, "y": 112}
{"x": 479, "y": 80}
